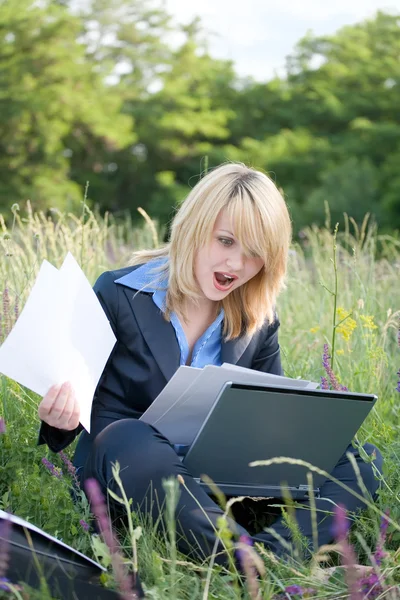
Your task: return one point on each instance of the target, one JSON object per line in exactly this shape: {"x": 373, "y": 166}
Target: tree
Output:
{"x": 176, "y": 125}
{"x": 336, "y": 110}
{"x": 346, "y": 88}
{"x": 127, "y": 40}
{"x": 49, "y": 92}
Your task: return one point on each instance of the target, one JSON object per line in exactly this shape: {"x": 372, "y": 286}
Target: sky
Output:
{"x": 258, "y": 34}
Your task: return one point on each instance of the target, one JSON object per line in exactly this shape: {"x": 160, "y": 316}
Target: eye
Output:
{"x": 225, "y": 241}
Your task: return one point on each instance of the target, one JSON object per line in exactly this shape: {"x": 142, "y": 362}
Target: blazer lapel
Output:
{"x": 232, "y": 350}
{"x": 158, "y": 333}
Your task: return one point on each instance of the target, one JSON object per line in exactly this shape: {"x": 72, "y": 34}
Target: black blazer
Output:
{"x": 145, "y": 357}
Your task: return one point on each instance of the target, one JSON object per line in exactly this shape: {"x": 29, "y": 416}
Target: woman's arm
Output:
{"x": 267, "y": 358}
{"x": 57, "y": 438}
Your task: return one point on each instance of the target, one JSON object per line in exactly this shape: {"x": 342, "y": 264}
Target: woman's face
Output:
{"x": 221, "y": 266}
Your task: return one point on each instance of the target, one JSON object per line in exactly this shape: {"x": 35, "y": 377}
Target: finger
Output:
{"x": 62, "y": 410}
{"x": 70, "y": 415}
{"x": 58, "y": 406}
{"x": 48, "y": 400}
{"x": 73, "y": 420}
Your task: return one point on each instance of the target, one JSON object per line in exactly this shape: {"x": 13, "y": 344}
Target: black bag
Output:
{"x": 69, "y": 574}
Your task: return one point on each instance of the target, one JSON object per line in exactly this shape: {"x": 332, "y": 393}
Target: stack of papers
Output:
{"x": 180, "y": 409}
{"x": 61, "y": 335}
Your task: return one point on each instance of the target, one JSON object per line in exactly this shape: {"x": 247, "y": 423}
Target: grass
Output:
{"x": 342, "y": 290}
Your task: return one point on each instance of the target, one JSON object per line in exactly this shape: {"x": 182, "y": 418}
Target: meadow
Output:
{"x": 342, "y": 290}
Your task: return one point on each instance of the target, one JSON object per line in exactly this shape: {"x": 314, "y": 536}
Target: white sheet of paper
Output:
{"x": 181, "y": 380}
{"x": 271, "y": 379}
{"x": 181, "y": 423}
{"x": 61, "y": 335}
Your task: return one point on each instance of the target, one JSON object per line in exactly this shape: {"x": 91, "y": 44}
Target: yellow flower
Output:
{"x": 340, "y": 352}
{"x": 347, "y": 324}
{"x": 315, "y": 329}
{"x": 368, "y": 322}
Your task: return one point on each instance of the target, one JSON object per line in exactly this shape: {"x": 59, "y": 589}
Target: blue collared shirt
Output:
{"x": 207, "y": 349}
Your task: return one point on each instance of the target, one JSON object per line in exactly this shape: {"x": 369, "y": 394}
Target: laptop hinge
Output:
{"x": 300, "y": 488}
{"x": 308, "y": 488}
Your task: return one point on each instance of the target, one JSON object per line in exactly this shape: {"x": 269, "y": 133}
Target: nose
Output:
{"x": 235, "y": 261}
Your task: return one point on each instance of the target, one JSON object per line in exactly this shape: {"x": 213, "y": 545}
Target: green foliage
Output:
{"x": 50, "y": 91}
{"x": 118, "y": 94}
{"x": 356, "y": 178}
{"x": 27, "y": 488}
{"x": 176, "y": 126}
{"x": 329, "y": 131}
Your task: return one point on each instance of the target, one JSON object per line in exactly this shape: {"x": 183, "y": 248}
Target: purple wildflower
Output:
{"x": 99, "y": 509}
{"x": 371, "y": 586}
{"x": 2, "y": 425}
{"x": 6, "y": 312}
{"x": 341, "y": 524}
{"x": 84, "y": 525}
{"x": 245, "y": 554}
{"x": 294, "y": 590}
{"x": 341, "y": 528}
{"x": 4, "y": 584}
{"x": 70, "y": 467}
{"x": 384, "y": 526}
{"x": 16, "y": 308}
{"x": 332, "y": 377}
{"x": 52, "y": 468}
{"x": 324, "y": 383}
{"x": 243, "y": 540}
{"x": 380, "y": 553}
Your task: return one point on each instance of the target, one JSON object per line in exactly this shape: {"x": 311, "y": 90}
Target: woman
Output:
{"x": 207, "y": 297}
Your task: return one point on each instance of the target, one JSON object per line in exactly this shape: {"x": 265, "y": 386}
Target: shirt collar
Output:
{"x": 146, "y": 277}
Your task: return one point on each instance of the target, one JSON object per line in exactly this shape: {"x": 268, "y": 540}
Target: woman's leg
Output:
{"x": 146, "y": 458}
{"x": 331, "y": 494}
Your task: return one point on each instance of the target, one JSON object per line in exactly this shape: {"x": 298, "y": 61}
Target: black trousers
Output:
{"x": 146, "y": 458}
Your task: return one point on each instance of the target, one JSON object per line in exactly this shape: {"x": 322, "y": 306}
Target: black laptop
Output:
{"x": 249, "y": 423}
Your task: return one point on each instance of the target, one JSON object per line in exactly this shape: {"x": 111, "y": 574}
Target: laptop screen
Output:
{"x": 250, "y": 423}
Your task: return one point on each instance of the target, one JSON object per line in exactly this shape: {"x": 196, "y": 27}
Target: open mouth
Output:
{"x": 223, "y": 281}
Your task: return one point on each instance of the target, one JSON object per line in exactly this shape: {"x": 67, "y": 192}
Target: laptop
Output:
{"x": 249, "y": 423}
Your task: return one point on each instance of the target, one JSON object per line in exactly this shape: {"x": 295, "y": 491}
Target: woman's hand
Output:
{"x": 59, "y": 407}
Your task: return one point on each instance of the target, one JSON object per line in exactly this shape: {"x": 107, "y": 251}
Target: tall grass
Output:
{"x": 364, "y": 288}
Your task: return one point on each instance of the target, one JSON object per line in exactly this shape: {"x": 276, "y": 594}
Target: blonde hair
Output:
{"x": 261, "y": 223}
